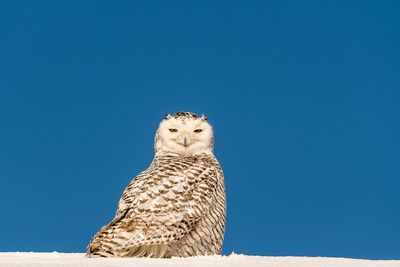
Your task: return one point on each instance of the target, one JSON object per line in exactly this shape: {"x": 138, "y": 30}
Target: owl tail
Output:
{"x": 149, "y": 251}
{"x": 102, "y": 244}
{"x": 105, "y": 249}
{"x": 95, "y": 250}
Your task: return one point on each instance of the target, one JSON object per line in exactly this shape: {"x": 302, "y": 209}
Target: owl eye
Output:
{"x": 173, "y": 130}
{"x": 198, "y": 130}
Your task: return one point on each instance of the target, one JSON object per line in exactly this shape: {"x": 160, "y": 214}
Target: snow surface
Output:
{"x": 55, "y": 259}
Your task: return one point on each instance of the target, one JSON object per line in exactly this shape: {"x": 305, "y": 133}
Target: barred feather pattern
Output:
{"x": 175, "y": 208}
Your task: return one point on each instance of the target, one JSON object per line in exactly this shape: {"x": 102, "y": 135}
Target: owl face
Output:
{"x": 184, "y": 133}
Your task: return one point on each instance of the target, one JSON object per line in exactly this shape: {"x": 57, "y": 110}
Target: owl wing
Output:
{"x": 162, "y": 204}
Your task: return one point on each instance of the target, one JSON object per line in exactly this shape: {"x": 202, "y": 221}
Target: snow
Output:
{"x": 55, "y": 259}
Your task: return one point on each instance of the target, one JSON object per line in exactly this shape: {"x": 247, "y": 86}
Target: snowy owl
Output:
{"x": 176, "y": 207}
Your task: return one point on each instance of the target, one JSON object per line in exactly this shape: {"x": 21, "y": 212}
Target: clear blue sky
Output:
{"x": 304, "y": 97}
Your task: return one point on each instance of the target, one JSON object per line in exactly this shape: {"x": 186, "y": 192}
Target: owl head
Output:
{"x": 184, "y": 133}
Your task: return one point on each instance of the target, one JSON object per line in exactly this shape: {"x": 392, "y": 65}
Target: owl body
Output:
{"x": 176, "y": 207}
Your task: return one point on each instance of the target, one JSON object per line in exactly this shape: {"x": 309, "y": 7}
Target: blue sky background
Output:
{"x": 304, "y": 98}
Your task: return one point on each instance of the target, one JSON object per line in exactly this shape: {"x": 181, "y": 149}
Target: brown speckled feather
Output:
{"x": 174, "y": 208}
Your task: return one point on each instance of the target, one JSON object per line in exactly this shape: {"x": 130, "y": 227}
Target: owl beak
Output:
{"x": 185, "y": 139}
